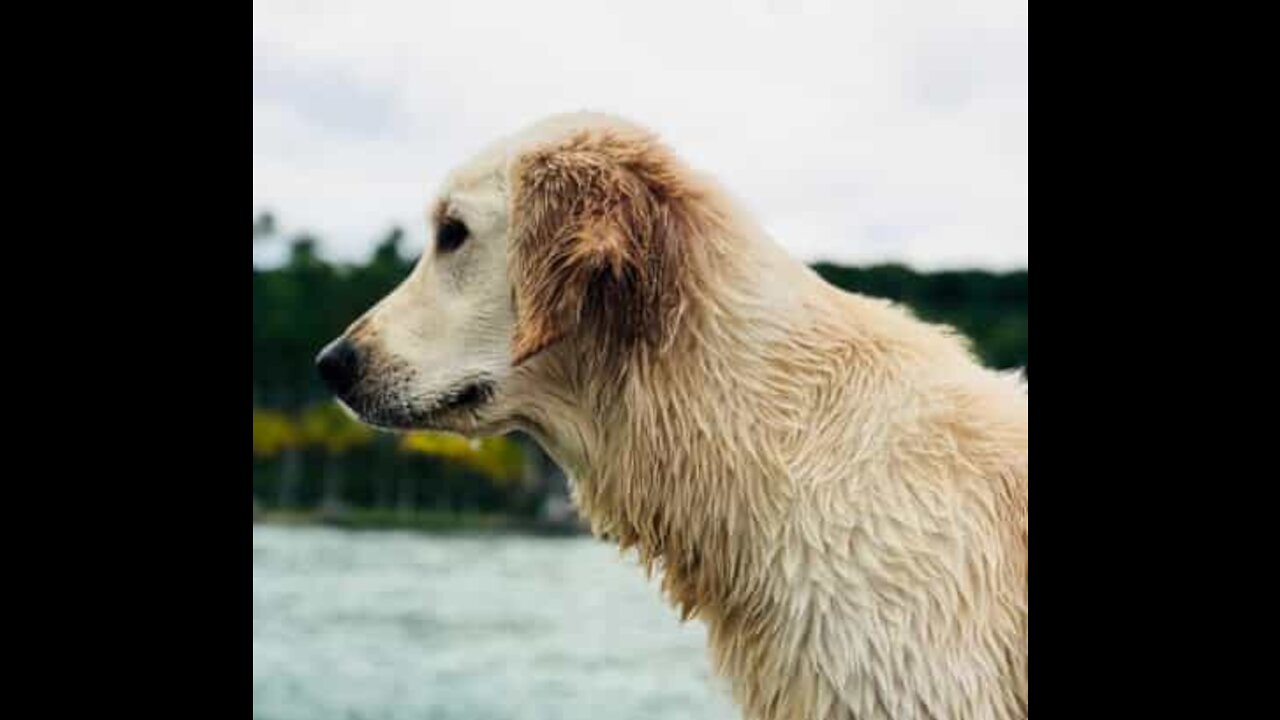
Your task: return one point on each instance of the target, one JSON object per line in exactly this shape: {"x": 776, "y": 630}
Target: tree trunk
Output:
{"x": 332, "y": 499}
{"x": 386, "y": 470}
{"x": 404, "y": 504}
{"x": 290, "y": 468}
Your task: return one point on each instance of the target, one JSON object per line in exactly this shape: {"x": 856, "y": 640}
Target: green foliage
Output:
{"x": 305, "y": 303}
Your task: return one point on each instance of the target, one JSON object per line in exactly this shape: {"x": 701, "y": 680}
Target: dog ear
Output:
{"x": 596, "y": 243}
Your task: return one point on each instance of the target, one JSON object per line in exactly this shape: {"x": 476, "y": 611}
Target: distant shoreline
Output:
{"x": 435, "y": 522}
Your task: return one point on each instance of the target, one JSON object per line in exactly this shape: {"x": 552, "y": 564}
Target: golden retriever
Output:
{"x": 836, "y": 488}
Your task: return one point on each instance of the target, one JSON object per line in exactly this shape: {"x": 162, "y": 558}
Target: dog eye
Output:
{"x": 450, "y": 236}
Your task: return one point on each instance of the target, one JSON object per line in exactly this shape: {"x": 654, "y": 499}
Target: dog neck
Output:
{"x": 682, "y": 451}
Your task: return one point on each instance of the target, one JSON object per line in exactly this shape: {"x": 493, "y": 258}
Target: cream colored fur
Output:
{"x": 837, "y": 489}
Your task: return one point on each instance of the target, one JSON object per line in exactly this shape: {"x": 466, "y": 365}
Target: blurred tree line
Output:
{"x": 990, "y": 308}
{"x": 307, "y": 453}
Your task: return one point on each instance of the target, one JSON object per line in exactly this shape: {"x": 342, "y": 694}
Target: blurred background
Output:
{"x": 429, "y": 576}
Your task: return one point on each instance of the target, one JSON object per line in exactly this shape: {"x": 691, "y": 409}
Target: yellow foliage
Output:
{"x": 328, "y": 426}
{"x": 498, "y": 458}
{"x": 273, "y": 432}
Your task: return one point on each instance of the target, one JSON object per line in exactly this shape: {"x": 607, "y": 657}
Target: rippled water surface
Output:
{"x": 376, "y": 626}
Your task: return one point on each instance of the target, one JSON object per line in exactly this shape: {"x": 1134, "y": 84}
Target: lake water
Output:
{"x": 391, "y": 625}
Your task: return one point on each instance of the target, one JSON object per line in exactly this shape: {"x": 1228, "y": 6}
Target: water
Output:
{"x": 388, "y": 625}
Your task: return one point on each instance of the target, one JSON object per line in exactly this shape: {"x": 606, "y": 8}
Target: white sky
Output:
{"x": 860, "y": 131}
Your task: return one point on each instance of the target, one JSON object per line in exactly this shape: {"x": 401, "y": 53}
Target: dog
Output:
{"x": 836, "y": 488}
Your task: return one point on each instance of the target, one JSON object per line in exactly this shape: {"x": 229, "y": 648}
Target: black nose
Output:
{"x": 339, "y": 366}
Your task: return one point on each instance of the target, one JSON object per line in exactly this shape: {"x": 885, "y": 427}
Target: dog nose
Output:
{"x": 339, "y": 366}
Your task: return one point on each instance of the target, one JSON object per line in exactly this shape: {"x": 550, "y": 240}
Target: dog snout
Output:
{"x": 339, "y": 366}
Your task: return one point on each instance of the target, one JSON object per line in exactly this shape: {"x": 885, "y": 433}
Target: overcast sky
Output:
{"x": 858, "y": 131}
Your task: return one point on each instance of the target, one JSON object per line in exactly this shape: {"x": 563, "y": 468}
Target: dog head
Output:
{"x": 565, "y": 240}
